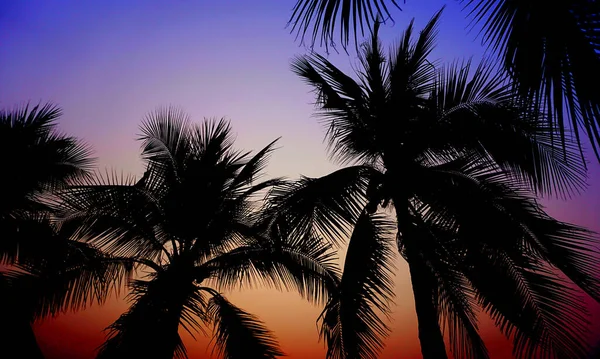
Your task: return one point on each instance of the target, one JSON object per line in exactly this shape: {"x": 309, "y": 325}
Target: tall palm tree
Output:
{"x": 190, "y": 224}
{"x": 551, "y": 49}
{"x": 457, "y": 158}
{"x": 37, "y": 160}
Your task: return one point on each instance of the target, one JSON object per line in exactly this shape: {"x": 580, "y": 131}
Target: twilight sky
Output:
{"x": 107, "y": 63}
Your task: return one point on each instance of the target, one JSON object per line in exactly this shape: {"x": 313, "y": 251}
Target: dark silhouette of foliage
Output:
{"x": 44, "y": 272}
{"x": 192, "y": 227}
{"x": 459, "y": 159}
{"x": 550, "y": 49}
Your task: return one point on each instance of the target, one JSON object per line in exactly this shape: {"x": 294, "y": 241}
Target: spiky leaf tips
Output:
{"x": 430, "y": 142}
{"x": 194, "y": 225}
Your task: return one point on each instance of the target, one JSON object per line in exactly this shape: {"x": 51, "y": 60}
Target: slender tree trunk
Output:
{"x": 430, "y": 334}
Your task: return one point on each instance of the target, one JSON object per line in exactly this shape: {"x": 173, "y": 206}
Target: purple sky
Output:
{"x": 107, "y": 63}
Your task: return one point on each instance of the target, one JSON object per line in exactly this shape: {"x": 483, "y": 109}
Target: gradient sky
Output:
{"x": 107, "y": 63}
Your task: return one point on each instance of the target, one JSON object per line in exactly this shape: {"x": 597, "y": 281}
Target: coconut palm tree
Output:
{"x": 191, "y": 226}
{"x": 37, "y": 161}
{"x": 457, "y": 159}
{"x": 550, "y": 49}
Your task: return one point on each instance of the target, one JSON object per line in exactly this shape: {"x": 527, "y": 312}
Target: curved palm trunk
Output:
{"x": 423, "y": 284}
{"x": 430, "y": 334}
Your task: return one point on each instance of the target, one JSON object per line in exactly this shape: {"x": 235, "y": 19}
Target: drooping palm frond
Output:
{"x": 240, "y": 335}
{"x": 508, "y": 266}
{"x": 321, "y": 15}
{"x": 325, "y": 205}
{"x": 68, "y": 281}
{"x": 351, "y": 324}
{"x": 552, "y": 51}
{"x": 499, "y": 202}
{"x": 305, "y": 264}
{"x": 344, "y": 108}
{"x": 481, "y": 112}
{"x": 114, "y": 214}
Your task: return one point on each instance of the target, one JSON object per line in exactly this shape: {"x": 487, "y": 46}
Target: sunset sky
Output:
{"x": 107, "y": 63}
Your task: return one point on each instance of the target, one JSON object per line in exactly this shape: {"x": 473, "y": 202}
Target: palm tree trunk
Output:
{"x": 430, "y": 334}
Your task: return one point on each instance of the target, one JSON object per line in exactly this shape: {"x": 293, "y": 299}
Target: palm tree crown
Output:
{"x": 550, "y": 49}
{"x": 458, "y": 158}
{"x": 43, "y": 272}
{"x": 191, "y": 224}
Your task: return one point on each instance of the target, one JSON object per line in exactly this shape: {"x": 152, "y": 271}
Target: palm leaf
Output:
{"x": 550, "y": 51}
{"x": 114, "y": 214}
{"x": 240, "y": 335}
{"x": 305, "y": 264}
{"x": 479, "y": 112}
{"x": 533, "y": 303}
{"x": 350, "y": 322}
{"x": 327, "y": 205}
{"x": 344, "y": 108}
{"x": 71, "y": 282}
{"x": 165, "y": 137}
{"x": 321, "y": 15}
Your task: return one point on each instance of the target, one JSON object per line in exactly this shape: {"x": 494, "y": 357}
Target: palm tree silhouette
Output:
{"x": 191, "y": 226}
{"x": 458, "y": 158}
{"x": 549, "y": 49}
{"x": 37, "y": 161}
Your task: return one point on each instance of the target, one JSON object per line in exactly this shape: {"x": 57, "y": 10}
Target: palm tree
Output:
{"x": 191, "y": 225}
{"x": 37, "y": 161}
{"x": 550, "y": 49}
{"x": 457, "y": 158}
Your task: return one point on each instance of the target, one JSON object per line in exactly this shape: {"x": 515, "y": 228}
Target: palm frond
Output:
{"x": 500, "y": 203}
{"x": 253, "y": 167}
{"x": 540, "y": 309}
{"x": 343, "y": 105}
{"x": 240, "y": 335}
{"x": 327, "y": 205}
{"x": 79, "y": 277}
{"x": 350, "y": 323}
{"x": 550, "y": 51}
{"x": 165, "y": 137}
{"x": 114, "y": 214}
{"x": 541, "y": 313}
{"x": 305, "y": 264}
{"x": 411, "y": 75}
{"x": 481, "y": 113}
{"x": 213, "y": 141}
{"x": 322, "y": 15}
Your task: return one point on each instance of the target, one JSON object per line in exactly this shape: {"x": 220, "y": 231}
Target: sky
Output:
{"x": 108, "y": 63}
